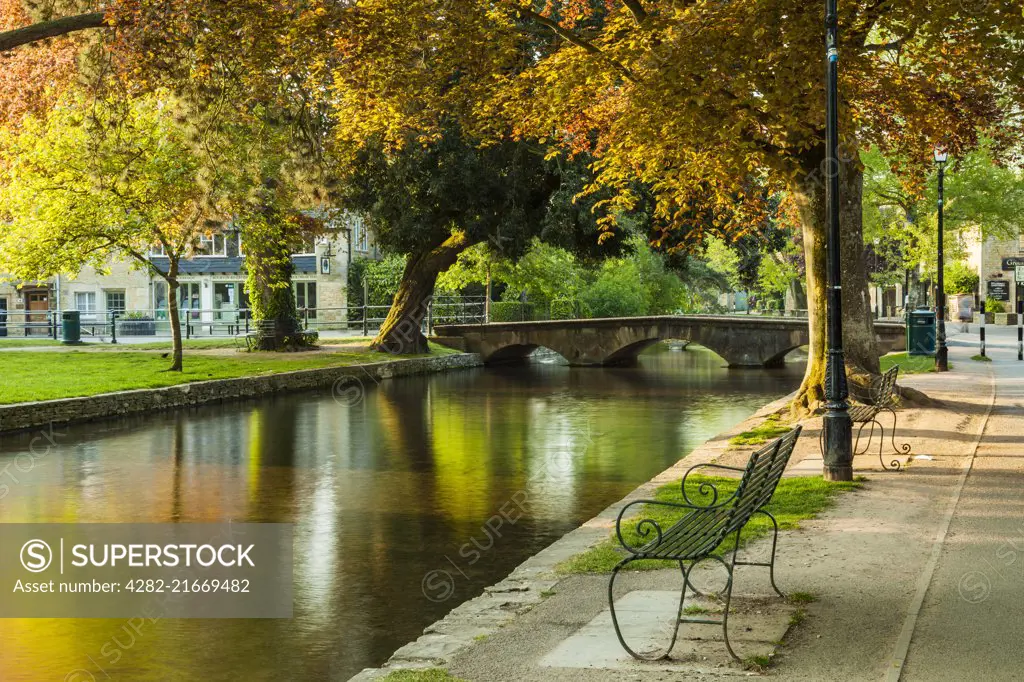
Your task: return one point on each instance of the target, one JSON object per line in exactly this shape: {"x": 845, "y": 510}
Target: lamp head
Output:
{"x": 941, "y": 155}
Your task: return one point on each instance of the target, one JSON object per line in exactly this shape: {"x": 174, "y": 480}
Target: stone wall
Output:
{"x": 343, "y": 381}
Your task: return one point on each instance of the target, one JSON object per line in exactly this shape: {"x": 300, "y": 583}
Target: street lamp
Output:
{"x": 838, "y": 429}
{"x": 941, "y": 352}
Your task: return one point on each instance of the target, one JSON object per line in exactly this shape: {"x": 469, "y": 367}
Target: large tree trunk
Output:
{"x": 174, "y": 315}
{"x": 859, "y": 343}
{"x": 400, "y": 334}
{"x": 268, "y": 282}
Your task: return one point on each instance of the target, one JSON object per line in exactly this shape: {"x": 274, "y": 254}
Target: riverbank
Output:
{"x": 212, "y": 377}
{"x": 868, "y": 566}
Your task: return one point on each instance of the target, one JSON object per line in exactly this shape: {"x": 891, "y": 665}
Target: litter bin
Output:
{"x": 71, "y": 326}
{"x": 921, "y": 332}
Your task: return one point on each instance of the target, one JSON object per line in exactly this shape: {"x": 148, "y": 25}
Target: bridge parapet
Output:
{"x": 742, "y": 341}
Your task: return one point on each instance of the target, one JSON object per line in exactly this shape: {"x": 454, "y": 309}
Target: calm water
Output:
{"x": 383, "y": 489}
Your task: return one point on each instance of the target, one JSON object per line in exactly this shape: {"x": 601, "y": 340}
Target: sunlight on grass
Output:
{"x": 428, "y": 675}
{"x": 772, "y": 427}
{"x": 909, "y": 364}
{"x": 795, "y": 500}
{"x": 31, "y": 375}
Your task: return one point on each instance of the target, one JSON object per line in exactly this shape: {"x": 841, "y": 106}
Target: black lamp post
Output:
{"x": 838, "y": 453}
{"x": 941, "y": 352}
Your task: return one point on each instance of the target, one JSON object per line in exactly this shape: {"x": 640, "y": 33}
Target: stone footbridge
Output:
{"x": 743, "y": 341}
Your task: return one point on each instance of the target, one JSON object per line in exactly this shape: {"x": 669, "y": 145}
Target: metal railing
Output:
{"x": 231, "y": 322}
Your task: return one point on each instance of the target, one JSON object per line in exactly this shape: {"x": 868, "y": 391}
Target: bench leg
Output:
{"x": 871, "y": 435}
{"x": 769, "y": 564}
{"x": 902, "y": 449}
{"x": 646, "y": 656}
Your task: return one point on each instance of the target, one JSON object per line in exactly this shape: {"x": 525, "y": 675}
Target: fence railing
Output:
{"x": 356, "y": 320}
{"x": 231, "y": 322}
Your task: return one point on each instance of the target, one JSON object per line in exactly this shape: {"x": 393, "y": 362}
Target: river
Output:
{"x": 384, "y": 483}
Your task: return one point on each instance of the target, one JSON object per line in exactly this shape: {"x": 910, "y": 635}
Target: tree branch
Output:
{"x": 576, "y": 40}
{"x": 637, "y": 10}
{"x": 50, "y": 29}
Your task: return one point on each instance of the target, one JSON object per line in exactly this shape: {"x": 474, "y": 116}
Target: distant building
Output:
{"x": 996, "y": 260}
{"x": 211, "y": 284}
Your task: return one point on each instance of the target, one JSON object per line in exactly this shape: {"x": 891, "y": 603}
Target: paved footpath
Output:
{"x": 919, "y": 576}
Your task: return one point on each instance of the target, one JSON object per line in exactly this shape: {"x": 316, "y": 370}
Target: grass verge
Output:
{"x": 909, "y": 364}
{"x": 795, "y": 500}
{"x": 981, "y": 358}
{"x": 428, "y": 675}
{"x": 771, "y": 428}
{"x": 8, "y": 342}
{"x": 30, "y": 375}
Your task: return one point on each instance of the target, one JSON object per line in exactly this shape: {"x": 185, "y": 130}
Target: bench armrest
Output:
{"x": 705, "y": 487}
{"x": 645, "y": 527}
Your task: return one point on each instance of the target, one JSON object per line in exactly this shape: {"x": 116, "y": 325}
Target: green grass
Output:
{"x": 909, "y": 364}
{"x": 427, "y": 675}
{"x": 981, "y": 358}
{"x": 8, "y": 342}
{"x": 801, "y": 598}
{"x": 795, "y": 500}
{"x": 769, "y": 429}
{"x": 29, "y": 375}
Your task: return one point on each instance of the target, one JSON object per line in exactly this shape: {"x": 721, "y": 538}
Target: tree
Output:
{"x": 101, "y": 179}
{"x": 692, "y": 99}
{"x": 32, "y": 78}
{"x": 983, "y": 199}
{"x": 15, "y": 31}
{"x": 433, "y": 200}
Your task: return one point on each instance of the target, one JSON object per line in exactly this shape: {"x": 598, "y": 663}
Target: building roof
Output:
{"x": 220, "y": 264}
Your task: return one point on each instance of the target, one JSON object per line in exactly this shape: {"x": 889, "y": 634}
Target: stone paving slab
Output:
{"x": 646, "y": 617}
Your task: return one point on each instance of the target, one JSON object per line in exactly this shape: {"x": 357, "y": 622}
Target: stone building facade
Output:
{"x": 211, "y": 293}
{"x": 996, "y": 260}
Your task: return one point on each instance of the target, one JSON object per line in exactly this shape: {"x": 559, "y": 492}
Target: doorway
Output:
{"x": 37, "y": 307}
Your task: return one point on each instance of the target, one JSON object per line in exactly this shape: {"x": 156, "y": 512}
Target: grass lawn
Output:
{"x": 29, "y": 375}
{"x": 909, "y": 364}
{"x": 770, "y": 428}
{"x": 17, "y": 342}
{"x": 428, "y": 675}
{"x": 795, "y": 500}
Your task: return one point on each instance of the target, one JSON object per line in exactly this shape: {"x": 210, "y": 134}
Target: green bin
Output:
{"x": 921, "y": 332}
{"x": 71, "y": 326}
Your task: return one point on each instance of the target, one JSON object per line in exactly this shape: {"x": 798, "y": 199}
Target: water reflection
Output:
{"x": 383, "y": 492}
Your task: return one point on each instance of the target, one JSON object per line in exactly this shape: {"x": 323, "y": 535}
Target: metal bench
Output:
{"x": 881, "y": 399}
{"x": 703, "y": 528}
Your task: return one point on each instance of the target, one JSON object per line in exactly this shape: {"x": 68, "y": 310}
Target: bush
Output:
{"x": 569, "y": 309}
{"x": 959, "y": 278}
{"x": 994, "y": 306}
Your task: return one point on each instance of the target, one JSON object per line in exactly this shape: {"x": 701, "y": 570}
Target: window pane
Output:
{"x": 231, "y": 245}
{"x": 160, "y": 295}
{"x": 115, "y": 301}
